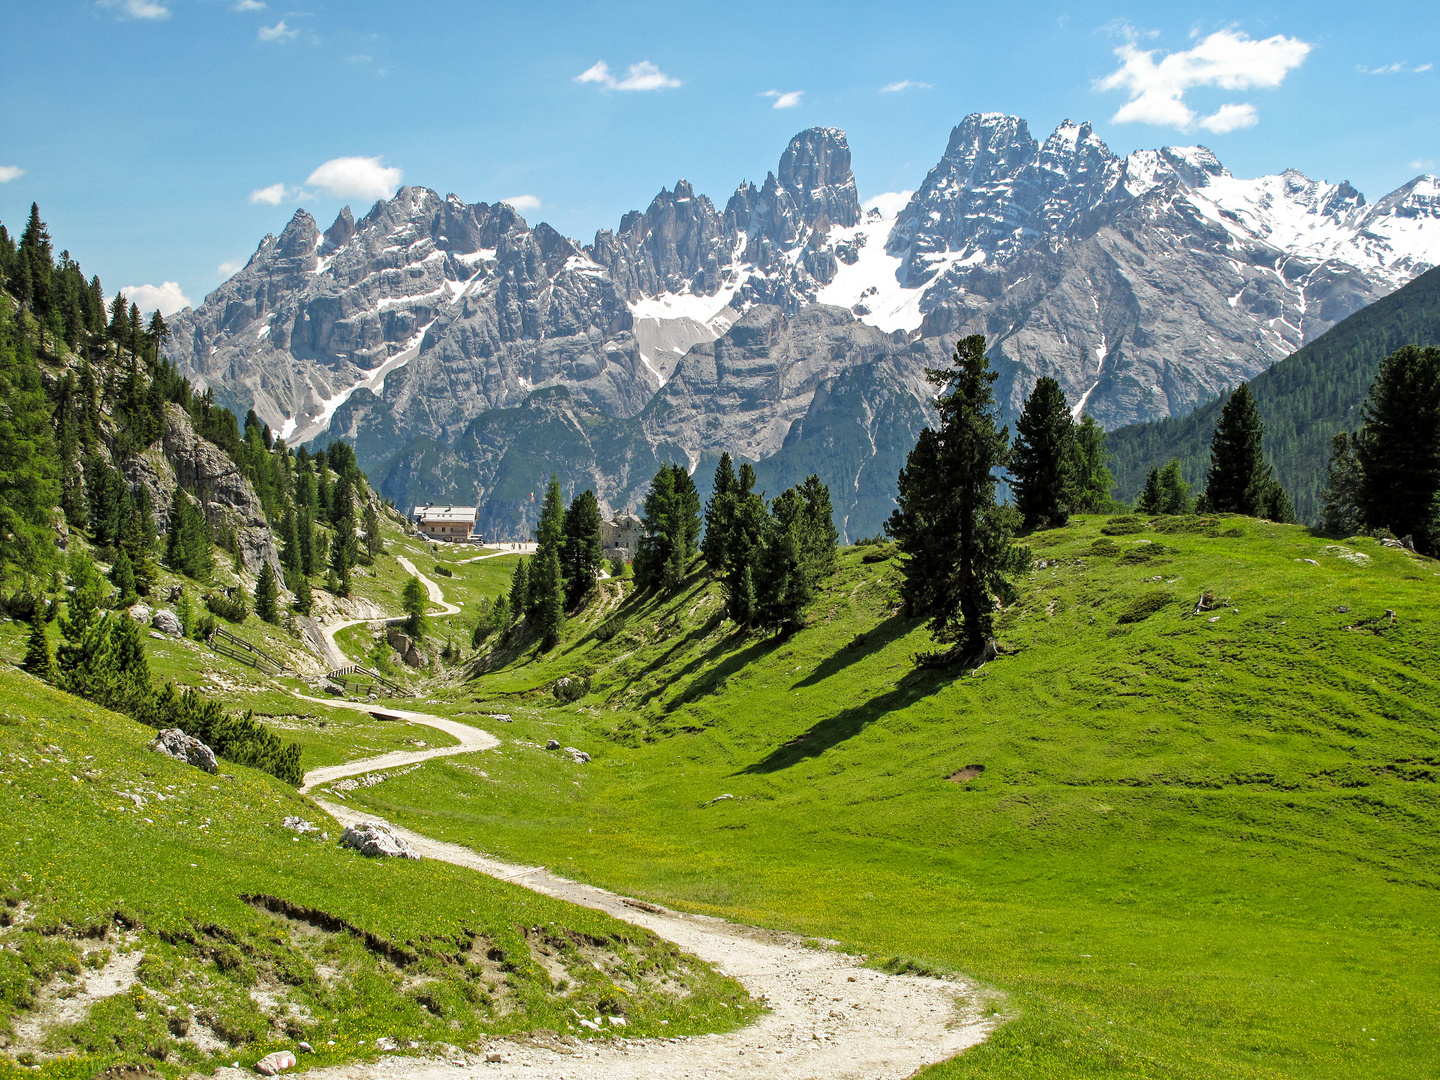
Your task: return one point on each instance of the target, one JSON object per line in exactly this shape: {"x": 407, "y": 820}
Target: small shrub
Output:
{"x": 1123, "y": 526}
{"x": 230, "y": 608}
{"x": 1104, "y": 547}
{"x": 1145, "y": 605}
{"x": 610, "y": 627}
{"x": 567, "y": 689}
{"x": 881, "y": 553}
{"x": 444, "y": 571}
{"x": 1143, "y": 553}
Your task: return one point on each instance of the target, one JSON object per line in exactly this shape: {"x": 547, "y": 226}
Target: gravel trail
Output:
{"x": 829, "y": 1018}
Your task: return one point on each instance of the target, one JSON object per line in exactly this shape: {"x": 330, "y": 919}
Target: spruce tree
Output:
{"x": 82, "y": 661}
{"x": 122, "y": 576}
{"x": 1166, "y": 491}
{"x": 720, "y": 514}
{"x": 267, "y": 595}
{"x": 1398, "y": 446}
{"x": 1042, "y": 457}
{"x": 652, "y": 553}
{"x": 304, "y": 598}
{"x": 747, "y": 532}
{"x": 374, "y": 542}
{"x": 818, "y": 534}
{"x": 519, "y": 589}
{"x": 39, "y": 660}
{"x": 1340, "y": 512}
{"x": 413, "y": 599}
{"x": 782, "y": 587}
{"x": 1239, "y": 476}
{"x": 547, "y": 581}
{"x": 582, "y": 554}
{"x": 959, "y": 557}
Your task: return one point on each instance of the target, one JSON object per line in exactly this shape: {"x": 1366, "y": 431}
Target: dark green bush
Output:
{"x": 1145, "y": 605}
{"x": 1104, "y": 547}
{"x": 610, "y": 628}
{"x": 1123, "y": 526}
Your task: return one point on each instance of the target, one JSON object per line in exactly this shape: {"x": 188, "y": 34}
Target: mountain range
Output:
{"x": 792, "y": 327}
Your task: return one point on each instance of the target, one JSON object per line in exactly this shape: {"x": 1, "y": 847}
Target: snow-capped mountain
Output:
{"x": 1144, "y": 284}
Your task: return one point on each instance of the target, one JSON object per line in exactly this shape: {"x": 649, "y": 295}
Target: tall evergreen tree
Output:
{"x": 547, "y": 581}
{"x": 39, "y": 660}
{"x": 1166, "y": 491}
{"x": 122, "y": 576}
{"x": 1398, "y": 445}
{"x": 413, "y": 599}
{"x": 671, "y": 518}
{"x": 1340, "y": 511}
{"x": 747, "y": 532}
{"x": 304, "y": 598}
{"x": 582, "y": 554}
{"x": 720, "y": 514}
{"x": 1240, "y": 480}
{"x": 267, "y": 595}
{"x": 374, "y": 542}
{"x": 957, "y": 544}
{"x": 1042, "y": 457}
{"x": 83, "y": 660}
{"x": 519, "y": 589}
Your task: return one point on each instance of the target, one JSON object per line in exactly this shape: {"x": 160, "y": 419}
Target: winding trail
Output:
{"x": 829, "y": 1017}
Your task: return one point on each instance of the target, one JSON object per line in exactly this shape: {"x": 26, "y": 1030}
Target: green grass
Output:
{"x": 108, "y": 850}
{"x": 1200, "y": 846}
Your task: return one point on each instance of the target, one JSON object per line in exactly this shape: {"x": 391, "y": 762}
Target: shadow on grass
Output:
{"x": 715, "y": 676}
{"x": 847, "y": 723}
{"x": 874, "y": 640}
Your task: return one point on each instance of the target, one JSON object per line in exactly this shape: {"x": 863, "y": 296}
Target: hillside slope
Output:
{"x": 1304, "y": 399}
{"x": 1187, "y": 845}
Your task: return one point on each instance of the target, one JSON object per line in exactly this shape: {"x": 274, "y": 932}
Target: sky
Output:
{"x": 163, "y": 139}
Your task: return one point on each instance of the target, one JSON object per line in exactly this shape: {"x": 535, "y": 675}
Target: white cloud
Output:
{"x": 10, "y": 172}
{"x": 357, "y": 178}
{"x": 139, "y": 9}
{"x": 250, "y": 5}
{"x": 279, "y": 32}
{"x": 1400, "y": 67}
{"x": 1230, "y": 118}
{"x": 1227, "y": 59}
{"x": 229, "y": 267}
{"x": 641, "y": 76}
{"x": 905, "y": 84}
{"x": 273, "y": 195}
{"x": 166, "y": 298}
{"x": 1422, "y": 166}
{"x": 523, "y": 203}
{"x": 787, "y": 100}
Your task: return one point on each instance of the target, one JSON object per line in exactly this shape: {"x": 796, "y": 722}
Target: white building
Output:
{"x": 452, "y": 523}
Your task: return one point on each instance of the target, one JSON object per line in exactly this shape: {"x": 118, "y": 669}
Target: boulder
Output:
{"x": 414, "y": 657}
{"x": 140, "y": 613}
{"x": 176, "y": 744}
{"x": 580, "y": 756}
{"x": 553, "y": 744}
{"x": 398, "y": 640}
{"x": 300, "y": 825}
{"x": 167, "y": 622}
{"x": 376, "y": 840}
{"x": 276, "y": 1063}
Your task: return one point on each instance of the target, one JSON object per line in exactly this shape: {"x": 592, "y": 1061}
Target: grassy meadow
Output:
{"x": 1184, "y": 844}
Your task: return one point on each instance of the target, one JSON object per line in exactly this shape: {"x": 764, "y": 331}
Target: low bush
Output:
{"x": 1124, "y": 526}
{"x": 612, "y": 626}
{"x": 1145, "y": 605}
{"x": 233, "y": 609}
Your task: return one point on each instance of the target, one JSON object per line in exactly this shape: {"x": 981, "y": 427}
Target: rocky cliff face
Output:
{"x": 1143, "y": 284}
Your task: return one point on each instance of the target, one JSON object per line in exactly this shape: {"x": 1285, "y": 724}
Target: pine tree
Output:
{"x": 413, "y": 599}
{"x": 122, "y": 576}
{"x": 782, "y": 587}
{"x": 547, "y": 583}
{"x": 304, "y": 598}
{"x": 344, "y": 550}
{"x": 501, "y": 615}
{"x": 519, "y": 589}
{"x": 720, "y": 514}
{"x": 545, "y": 574}
{"x": 582, "y": 554}
{"x": 1398, "y": 445}
{"x": 39, "y": 660}
{"x": 82, "y": 661}
{"x": 747, "y": 533}
{"x": 305, "y": 535}
{"x": 267, "y": 595}
{"x": 1042, "y": 457}
{"x": 1239, "y": 475}
{"x": 818, "y": 534}
{"x": 652, "y": 553}
{"x": 374, "y": 542}
{"x": 1340, "y": 513}
{"x": 957, "y": 542}
{"x": 1166, "y": 492}
{"x": 29, "y": 461}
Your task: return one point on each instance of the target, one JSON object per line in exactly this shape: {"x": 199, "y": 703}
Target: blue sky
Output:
{"x": 164, "y": 138}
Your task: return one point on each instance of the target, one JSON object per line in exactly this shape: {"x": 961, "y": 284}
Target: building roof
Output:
{"x": 432, "y": 512}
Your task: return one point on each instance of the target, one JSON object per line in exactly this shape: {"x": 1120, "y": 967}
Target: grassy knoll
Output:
{"x": 1185, "y": 845}
{"x": 115, "y": 861}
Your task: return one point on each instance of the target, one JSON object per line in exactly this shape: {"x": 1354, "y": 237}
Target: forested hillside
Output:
{"x": 1304, "y": 400}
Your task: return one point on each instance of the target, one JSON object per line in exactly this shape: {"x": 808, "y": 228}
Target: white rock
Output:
{"x": 176, "y": 744}
{"x": 273, "y": 1064}
{"x": 376, "y": 840}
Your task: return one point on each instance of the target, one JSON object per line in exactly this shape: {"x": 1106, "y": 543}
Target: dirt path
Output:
{"x": 829, "y": 1017}
{"x": 472, "y": 740}
{"x": 436, "y": 595}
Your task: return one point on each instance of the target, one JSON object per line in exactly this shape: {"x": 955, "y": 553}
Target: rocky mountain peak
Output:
{"x": 815, "y": 170}
{"x": 339, "y": 234}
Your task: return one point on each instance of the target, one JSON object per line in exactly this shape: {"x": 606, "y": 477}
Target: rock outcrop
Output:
{"x": 375, "y": 840}
{"x": 174, "y": 743}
